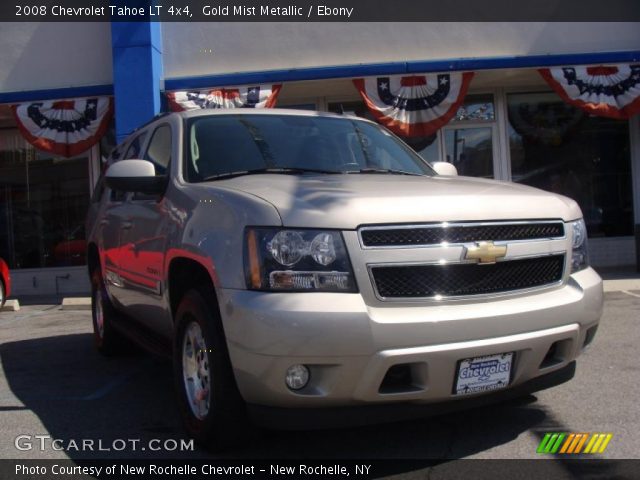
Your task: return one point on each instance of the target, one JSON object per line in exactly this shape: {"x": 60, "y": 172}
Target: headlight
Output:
{"x": 287, "y": 247}
{"x": 297, "y": 260}
{"x": 579, "y": 252}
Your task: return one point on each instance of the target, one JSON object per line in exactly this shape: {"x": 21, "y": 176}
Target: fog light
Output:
{"x": 297, "y": 377}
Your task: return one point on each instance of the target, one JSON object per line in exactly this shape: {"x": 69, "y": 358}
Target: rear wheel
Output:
{"x": 107, "y": 340}
{"x": 211, "y": 405}
{"x": 2, "y": 293}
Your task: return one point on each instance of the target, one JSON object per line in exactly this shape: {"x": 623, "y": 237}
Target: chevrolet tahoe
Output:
{"x": 296, "y": 265}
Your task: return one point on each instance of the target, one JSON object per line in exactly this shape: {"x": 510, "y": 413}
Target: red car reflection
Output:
{"x": 70, "y": 253}
{"x": 5, "y": 282}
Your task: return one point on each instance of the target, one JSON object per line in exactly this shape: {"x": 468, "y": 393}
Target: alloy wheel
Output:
{"x": 196, "y": 371}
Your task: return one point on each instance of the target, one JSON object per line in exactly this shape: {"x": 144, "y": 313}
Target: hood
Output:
{"x": 348, "y": 201}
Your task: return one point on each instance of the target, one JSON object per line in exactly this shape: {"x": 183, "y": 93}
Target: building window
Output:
{"x": 43, "y": 203}
{"x": 476, "y": 108}
{"x": 467, "y": 141}
{"x": 470, "y": 150}
{"x": 558, "y": 147}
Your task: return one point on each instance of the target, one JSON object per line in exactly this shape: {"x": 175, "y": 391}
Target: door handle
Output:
{"x": 104, "y": 223}
{"x": 127, "y": 225}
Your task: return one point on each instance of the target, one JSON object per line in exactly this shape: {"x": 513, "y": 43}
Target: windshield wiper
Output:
{"x": 385, "y": 170}
{"x": 282, "y": 170}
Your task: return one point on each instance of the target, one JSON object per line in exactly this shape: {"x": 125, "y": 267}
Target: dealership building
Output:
{"x": 553, "y": 105}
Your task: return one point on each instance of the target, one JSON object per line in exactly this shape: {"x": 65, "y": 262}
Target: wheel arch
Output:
{"x": 185, "y": 273}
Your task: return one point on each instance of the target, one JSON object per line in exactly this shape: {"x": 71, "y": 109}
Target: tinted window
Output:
{"x": 135, "y": 147}
{"x": 159, "y": 149}
{"x": 232, "y": 143}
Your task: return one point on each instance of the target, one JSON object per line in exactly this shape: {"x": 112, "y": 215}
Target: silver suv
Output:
{"x": 304, "y": 267}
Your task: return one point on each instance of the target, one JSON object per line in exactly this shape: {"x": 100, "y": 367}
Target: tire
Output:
{"x": 212, "y": 409}
{"x": 2, "y": 293}
{"x": 107, "y": 340}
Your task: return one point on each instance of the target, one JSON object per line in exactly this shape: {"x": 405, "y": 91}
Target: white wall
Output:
{"x": 36, "y": 56}
{"x": 49, "y": 282}
{"x": 238, "y": 47}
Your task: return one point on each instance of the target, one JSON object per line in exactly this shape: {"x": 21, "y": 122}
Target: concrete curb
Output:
{"x": 622, "y": 284}
{"x": 76, "y": 303}
{"x": 11, "y": 306}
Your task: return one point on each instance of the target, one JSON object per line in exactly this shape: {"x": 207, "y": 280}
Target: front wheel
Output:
{"x": 107, "y": 340}
{"x": 211, "y": 405}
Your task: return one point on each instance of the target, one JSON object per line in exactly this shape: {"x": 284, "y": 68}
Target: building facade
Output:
{"x": 511, "y": 125}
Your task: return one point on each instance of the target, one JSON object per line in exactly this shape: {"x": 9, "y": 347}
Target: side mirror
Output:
{"x": 445, "y": 168}
{"x": 135, "y": 176}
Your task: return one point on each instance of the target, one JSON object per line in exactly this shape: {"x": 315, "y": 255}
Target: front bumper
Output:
{"x": 350, "y": 346}
{"x": 283, "y": 418}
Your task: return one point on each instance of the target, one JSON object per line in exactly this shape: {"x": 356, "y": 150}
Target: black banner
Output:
{"x": 558, "y": 468}
{"x": 320, "y": 11}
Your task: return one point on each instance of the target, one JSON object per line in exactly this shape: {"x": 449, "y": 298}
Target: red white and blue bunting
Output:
{"x": 414, "y": 106}
{"x": 607, "y": 91}
{"x": 256, "y": 96}
{"x": 64, "y": 127}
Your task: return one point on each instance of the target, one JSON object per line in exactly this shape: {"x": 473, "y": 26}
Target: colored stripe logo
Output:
{"x": 570, "y": 443}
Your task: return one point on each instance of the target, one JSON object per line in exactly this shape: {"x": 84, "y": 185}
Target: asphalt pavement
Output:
{"x": 54, "y": 384}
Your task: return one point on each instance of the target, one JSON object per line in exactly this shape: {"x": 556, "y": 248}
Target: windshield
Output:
{"x": 229, "y": 145}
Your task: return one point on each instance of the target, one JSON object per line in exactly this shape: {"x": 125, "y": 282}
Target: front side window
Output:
{"x": 159, "y": 149}
{"x": 135, "y": 147}
{"x": 221, "y": 145}
{"x": 159, "y": 153}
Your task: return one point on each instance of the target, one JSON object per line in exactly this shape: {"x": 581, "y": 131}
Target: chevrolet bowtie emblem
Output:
{"x": 485, "y": 252}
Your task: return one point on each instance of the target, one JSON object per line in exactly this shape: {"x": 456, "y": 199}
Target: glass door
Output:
{"x": 469, "y": 140}
{"x": 470, "y": 150}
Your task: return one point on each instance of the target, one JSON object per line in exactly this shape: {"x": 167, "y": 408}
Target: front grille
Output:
{"x": 467, "y": 278}
{"x": 459, "y": 233}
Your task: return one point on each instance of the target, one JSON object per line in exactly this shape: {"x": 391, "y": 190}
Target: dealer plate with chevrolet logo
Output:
{"x": 482, "y": 374}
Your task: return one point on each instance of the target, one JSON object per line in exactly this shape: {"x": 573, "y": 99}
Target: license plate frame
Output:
{"x": 483, "y": 381}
